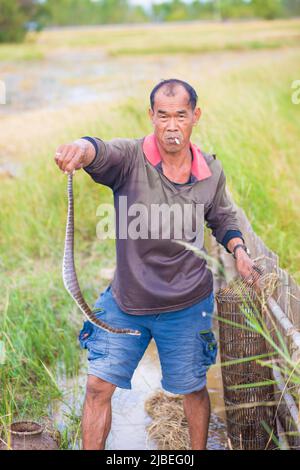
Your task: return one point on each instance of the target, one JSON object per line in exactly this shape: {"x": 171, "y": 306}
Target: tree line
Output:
{"x": 19, "y": 16}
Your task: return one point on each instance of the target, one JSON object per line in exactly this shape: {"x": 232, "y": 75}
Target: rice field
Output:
{"x": 243, "y": 73}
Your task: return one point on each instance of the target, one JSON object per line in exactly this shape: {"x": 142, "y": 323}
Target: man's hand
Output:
{"x": 244, "y": 264}
{"x": 74, "y": 156}
{"x": 247, "y": 269}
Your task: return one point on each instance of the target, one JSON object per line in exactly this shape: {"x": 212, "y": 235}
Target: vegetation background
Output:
{"x": 16, "y": 16}
{"x": 66, "y": 82}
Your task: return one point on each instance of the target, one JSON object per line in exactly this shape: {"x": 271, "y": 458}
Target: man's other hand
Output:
{"x": 247, "y": 269}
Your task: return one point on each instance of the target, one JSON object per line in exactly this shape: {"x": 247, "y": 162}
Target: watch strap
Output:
{"x": 240, "y": 245}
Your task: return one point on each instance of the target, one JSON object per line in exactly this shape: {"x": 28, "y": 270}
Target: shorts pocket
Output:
{"x": 86, "y": 333}
{"x": 93, "y": 338}
{"x": 206, "y": 350}
{"x": 209, "y": 347}
{"x": 98, "y": 345}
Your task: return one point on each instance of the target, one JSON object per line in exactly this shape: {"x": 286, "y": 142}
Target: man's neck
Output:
{"x": 176, "y": 161}
{"x": 177, "y": 166}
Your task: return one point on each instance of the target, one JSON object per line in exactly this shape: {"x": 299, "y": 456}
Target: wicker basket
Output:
{"x": 238, "y": 303}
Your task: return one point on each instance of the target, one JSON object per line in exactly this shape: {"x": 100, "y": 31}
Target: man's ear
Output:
{"x": 150, "y": 113}
{"x": 197, "y": 115}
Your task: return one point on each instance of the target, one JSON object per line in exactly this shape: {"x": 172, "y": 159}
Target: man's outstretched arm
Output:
{"x": 108, "y": 162}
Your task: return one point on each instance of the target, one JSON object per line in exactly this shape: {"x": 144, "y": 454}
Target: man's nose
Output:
{"x": 172, "y": 124}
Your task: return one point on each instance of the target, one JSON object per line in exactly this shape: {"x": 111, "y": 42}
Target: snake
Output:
{"x": 69, "y": 275}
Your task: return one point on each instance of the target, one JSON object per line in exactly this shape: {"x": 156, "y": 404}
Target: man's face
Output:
{"x": 173, "y": 117}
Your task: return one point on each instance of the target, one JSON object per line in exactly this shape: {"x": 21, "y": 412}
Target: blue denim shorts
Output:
{"x": 184, "y": 338}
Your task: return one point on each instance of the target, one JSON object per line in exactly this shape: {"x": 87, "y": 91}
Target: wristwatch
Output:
{"x": 241, "y": 245}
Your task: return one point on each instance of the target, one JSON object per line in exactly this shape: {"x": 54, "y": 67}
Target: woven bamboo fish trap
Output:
{"x": 247, "y": 407}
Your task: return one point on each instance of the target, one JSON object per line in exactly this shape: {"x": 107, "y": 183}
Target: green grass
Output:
{"x": 248, "y": 120}
{"x": 252, "y": 125}
{"x": 39, "y": 323}
{"x": 24, "y": 52}
{"x": 192, "y": 38}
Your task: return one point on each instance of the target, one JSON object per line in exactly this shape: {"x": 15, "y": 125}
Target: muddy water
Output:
{"x": 129, "y": 419}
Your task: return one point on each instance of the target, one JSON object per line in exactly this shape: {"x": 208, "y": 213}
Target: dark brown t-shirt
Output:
{"x": 155, "y": 274}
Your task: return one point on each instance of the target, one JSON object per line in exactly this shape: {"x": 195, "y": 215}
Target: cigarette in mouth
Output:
{"x": 177, "y": 141}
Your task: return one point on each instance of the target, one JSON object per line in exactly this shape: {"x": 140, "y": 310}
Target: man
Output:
{"x": 159, "y": 287}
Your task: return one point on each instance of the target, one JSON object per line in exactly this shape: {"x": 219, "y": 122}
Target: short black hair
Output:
{"x": 170, "y": 84}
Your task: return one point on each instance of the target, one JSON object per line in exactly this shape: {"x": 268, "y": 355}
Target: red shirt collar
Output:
{"x": 199, "y": 169}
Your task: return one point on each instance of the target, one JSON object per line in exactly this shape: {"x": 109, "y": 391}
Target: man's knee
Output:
{"x": 199, "y": 394}
{"x": 99, "y": 389}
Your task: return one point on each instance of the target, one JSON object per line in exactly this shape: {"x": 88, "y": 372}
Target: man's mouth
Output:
{"x": 174, "y": 140}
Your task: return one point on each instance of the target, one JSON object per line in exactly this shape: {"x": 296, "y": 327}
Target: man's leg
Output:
{"x": 197, "y": 411}
{"x": 187, "y": 347}
{"x": 96, "y": 417}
